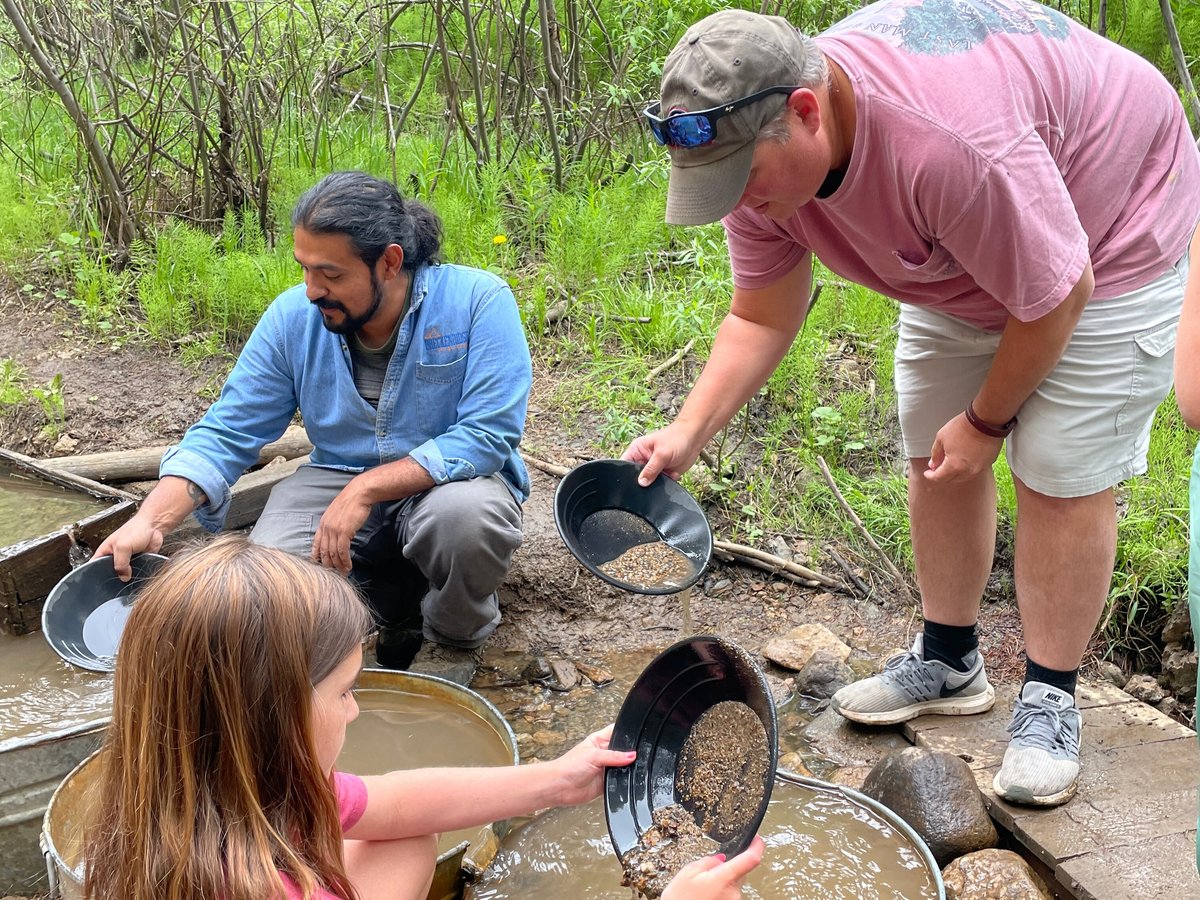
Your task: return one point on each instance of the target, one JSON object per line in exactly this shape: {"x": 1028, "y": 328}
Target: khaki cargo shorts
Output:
{"x": 1087, "y": 425}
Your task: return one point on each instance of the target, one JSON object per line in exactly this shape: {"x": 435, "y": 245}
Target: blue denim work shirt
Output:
{"x": 454, "y": 398}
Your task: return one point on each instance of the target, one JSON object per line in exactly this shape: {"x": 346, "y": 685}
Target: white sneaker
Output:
{"x": 1041, "y": 764}
{"x": 910, "y": 686}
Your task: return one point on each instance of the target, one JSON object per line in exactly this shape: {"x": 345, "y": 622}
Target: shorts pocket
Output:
{"x": 1153, "y": 362}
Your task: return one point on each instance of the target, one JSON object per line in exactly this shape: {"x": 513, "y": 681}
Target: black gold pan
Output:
{"x": 85, "y": 613}
{"x": 681, "y": 684}
{"x": 601, "y": 512}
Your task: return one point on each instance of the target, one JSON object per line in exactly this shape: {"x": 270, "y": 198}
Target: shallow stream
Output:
{"x": 40, "y": 695}
{"x": 819, "y": 846}
{"x": 31, "y": 507}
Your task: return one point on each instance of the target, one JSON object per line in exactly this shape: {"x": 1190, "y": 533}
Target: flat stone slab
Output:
{"x": 847, "y": 743}
{"x": 1130, "y": 831}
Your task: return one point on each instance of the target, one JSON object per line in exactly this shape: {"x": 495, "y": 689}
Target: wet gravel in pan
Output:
{"x": 719, "y": 782}
{"x": 652, "y": 565}
{"x": 673, "y": 841}
{"x": 722, "y": 769}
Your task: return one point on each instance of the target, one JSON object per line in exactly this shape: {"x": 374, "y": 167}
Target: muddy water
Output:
{"x": 30, "y": 507}
{"x": 818, "y": 846}
{"x": 399, "y": 730}
{"x": 40, "y": 695}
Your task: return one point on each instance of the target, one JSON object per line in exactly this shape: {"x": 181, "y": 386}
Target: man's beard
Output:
{"x": 350, "y": 324}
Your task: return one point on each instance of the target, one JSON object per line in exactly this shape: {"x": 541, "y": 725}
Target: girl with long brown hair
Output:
{"x": 234, "y": 686}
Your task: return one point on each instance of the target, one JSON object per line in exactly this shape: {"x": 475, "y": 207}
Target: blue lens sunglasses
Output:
{"x": 695, "y": 129}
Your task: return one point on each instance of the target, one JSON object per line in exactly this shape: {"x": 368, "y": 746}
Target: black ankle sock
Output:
{"x": 949, "y": 644}
{"x": 1064, "y": 681}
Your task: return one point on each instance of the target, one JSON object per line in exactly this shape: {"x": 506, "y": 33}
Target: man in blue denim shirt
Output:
{"x": 412, "y": 378}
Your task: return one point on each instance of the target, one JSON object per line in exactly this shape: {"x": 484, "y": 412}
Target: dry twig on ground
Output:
{"x": 901, "y": 581}
{"x": 674, "y": 358}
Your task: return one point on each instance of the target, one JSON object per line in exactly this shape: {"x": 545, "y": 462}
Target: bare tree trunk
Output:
{"x": 451, "y": 83}
{"x": 1185, "y": 78}
{"x": 476, "y": 82}
{"x": 118, "y": 224}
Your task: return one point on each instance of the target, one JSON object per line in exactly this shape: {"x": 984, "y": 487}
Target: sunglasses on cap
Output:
{"x": 695, "y": 129}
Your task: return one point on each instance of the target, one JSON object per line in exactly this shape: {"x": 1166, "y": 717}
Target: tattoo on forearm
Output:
{"x": 196, "y": 494}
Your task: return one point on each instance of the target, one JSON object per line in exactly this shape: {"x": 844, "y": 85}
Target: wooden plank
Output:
{"x": 1080, "y": 827}
{"x": 27, "y": 578}
{"x": 1111, "y": 720}
{"x": 1090, "y": 694}
{"x": 63, "y": 478}
{"x": 1126, "y": 797}
{"x": 29, "y": 570}
{"x": 1129, "y": 725}
{"x": 1158, "y": 869}
{"x": 120, "y": 466}
{"x": 1158, "y": 779}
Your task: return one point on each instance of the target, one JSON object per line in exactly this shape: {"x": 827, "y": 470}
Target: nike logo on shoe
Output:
{"x": 950, "y": 691}
{"x": 1056, "y": 700}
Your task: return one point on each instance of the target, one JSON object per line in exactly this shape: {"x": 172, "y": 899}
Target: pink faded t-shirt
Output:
{"x": 998, "y": 145}
{"x": 351, "y": 803}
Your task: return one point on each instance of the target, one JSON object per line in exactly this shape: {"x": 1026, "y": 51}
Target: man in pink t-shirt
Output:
{"x": 1027, "y": 190}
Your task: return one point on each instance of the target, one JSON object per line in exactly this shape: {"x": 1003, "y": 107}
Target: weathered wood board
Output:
{"x": 29, "y": 570}
{"x": 124, "y": 466}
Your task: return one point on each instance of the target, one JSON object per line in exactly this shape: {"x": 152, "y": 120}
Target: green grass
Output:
{"x": 190, "y": 281}
{"x": 31, "y": 216}
{"x": 16, "y": 390}
{"x": 1150, "y": 575}
{"x": 13, "y": 380}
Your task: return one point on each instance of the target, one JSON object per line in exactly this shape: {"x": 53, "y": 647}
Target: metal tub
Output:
{"x": 29, "y": 773}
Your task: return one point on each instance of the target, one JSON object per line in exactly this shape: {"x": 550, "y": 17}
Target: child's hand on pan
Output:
{"x": 714, "y": 877}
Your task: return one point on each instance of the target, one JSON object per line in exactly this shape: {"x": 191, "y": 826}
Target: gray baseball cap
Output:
{"x": 720, "y": 59}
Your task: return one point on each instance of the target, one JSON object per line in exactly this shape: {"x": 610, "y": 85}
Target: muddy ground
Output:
{"x": 144, "y": 394}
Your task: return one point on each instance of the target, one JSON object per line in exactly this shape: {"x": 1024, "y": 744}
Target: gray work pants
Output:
{"x": 440, "y": 554}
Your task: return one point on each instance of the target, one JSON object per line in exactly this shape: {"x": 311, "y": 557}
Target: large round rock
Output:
{"x": 936, "y": 794}
{"x": 993, "y": 875}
